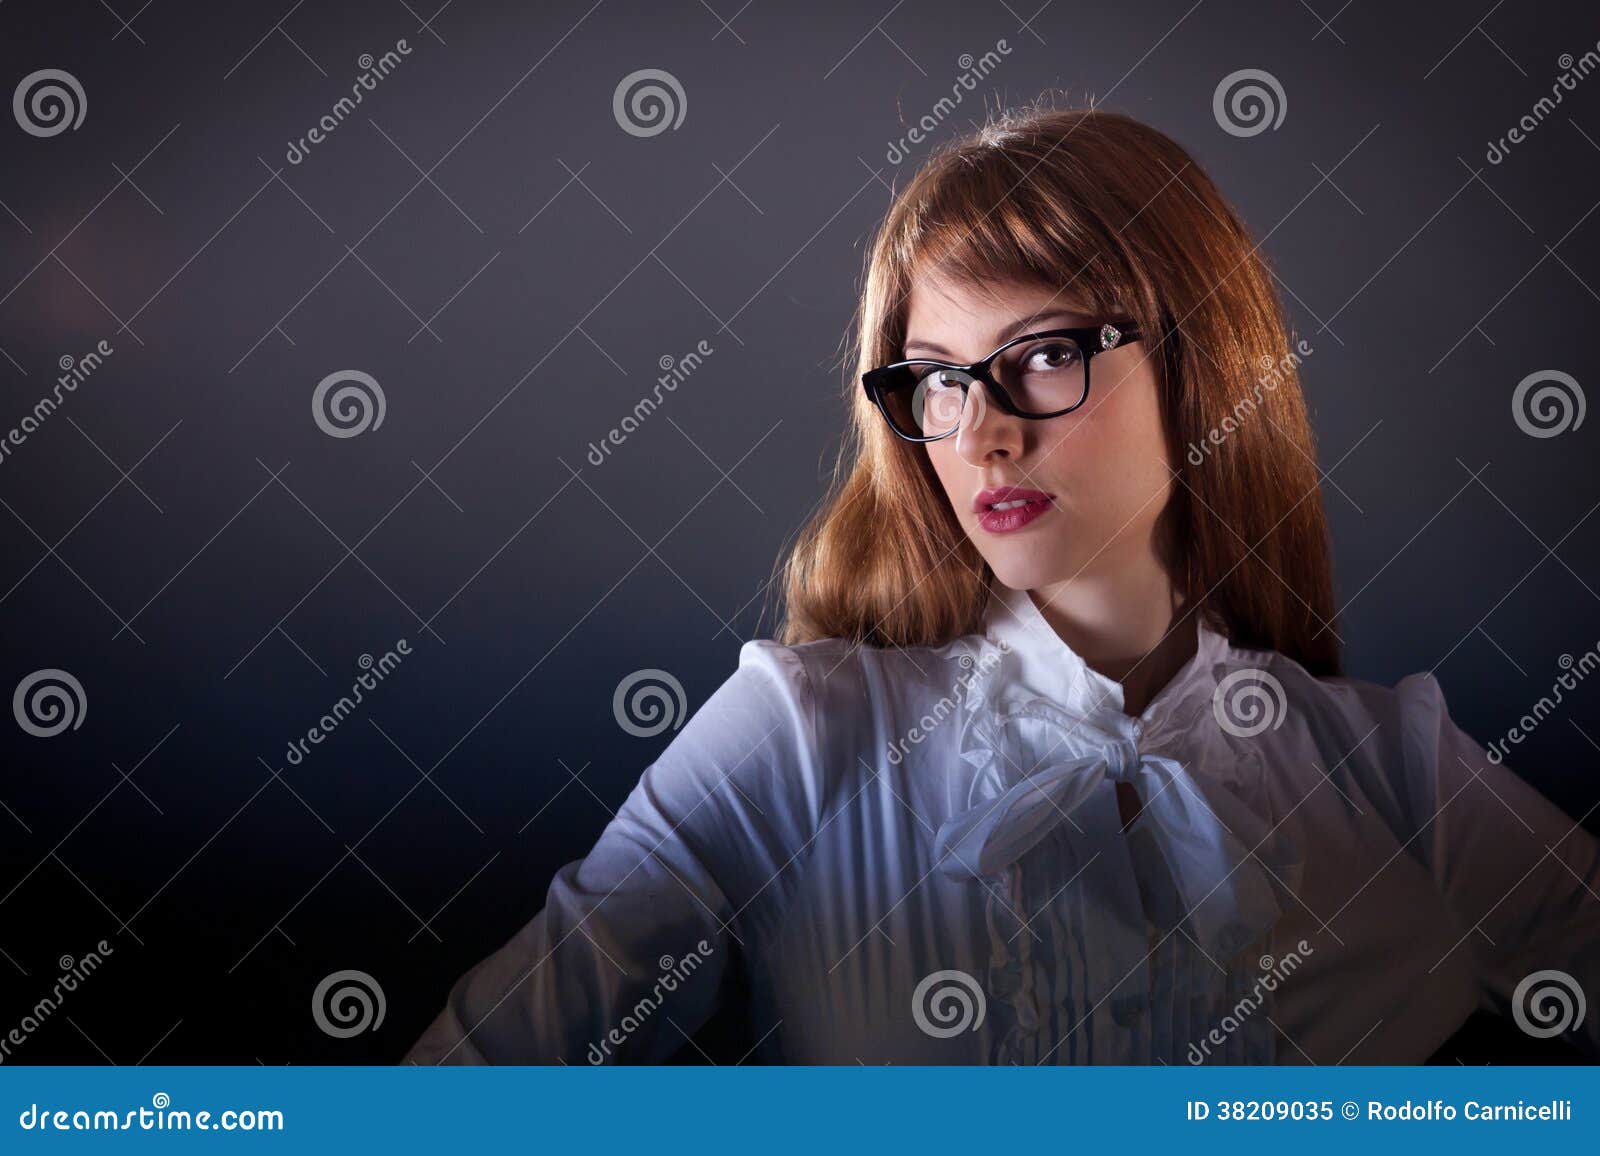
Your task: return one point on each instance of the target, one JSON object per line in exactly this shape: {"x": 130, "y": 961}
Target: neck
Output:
{"x": 1131, "y": 626}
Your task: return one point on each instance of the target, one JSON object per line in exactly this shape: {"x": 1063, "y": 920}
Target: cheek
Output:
{"x": 949, "y": 466}
{"x": 1113, "y": 451}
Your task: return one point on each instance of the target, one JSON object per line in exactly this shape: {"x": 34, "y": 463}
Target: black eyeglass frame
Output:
{"x": 1090, "y": 340}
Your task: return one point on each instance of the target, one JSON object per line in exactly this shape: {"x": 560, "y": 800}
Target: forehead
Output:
{"x": 946, "y": 310}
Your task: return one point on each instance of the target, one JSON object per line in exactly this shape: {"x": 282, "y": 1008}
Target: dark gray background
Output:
{"x": 186, "y": 493}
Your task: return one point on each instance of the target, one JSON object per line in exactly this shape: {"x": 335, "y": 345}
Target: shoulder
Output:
{"x": 844, "y": 696}
{"x": 781, "y": 746}
{"x": 1397, "y": 746}
{"x": 784, "y": 722}
{"x": 1408, "y": 710}
{"x": 850, "y": 685}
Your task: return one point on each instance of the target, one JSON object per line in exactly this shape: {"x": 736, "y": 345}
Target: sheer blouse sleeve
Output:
{"x": 627, "y": 955}
{"x": 1522, "y": 876}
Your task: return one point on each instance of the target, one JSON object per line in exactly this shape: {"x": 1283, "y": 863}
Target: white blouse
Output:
{"x": 917, "y": 856}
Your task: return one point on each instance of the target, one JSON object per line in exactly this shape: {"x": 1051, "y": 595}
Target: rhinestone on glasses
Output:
{"x": 1109, "y": 336}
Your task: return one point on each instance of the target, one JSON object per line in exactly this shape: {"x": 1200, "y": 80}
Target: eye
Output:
{"x": 1050, "y": 357}
{"x": 936, "y": 377}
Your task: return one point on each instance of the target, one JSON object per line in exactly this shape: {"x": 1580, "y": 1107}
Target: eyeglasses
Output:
{"x": 1035, "y": 376}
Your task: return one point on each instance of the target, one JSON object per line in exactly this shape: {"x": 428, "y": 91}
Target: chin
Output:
{"x": 1018, "y": 570}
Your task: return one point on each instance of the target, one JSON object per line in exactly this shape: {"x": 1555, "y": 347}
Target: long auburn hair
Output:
{"x": 1121, "y": 214}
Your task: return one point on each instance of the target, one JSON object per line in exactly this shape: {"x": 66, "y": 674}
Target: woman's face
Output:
{"x": 1094, "y": 480}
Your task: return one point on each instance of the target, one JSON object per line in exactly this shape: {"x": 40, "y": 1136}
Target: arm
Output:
{"x": 634, "y": 938}
{"x": 1521, "y": 875}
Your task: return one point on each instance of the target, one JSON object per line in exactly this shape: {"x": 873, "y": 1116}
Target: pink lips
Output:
{"x": 1020, "y": 507}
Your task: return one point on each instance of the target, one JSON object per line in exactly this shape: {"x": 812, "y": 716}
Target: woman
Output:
{"x": 1054, "y": 764}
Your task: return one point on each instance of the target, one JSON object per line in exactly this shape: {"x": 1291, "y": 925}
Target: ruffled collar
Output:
{"x": 1038, "y": 664}
{"x": 1042, "y": 731}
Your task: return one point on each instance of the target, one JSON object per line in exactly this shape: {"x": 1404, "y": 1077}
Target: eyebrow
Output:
{"x": 1016, "y": 328}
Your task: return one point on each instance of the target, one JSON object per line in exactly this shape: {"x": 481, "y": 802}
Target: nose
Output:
{"x": 986, "y": 430}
